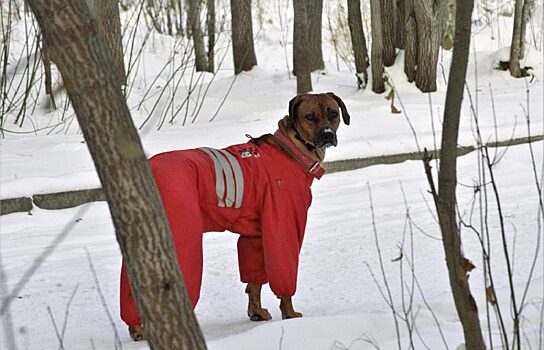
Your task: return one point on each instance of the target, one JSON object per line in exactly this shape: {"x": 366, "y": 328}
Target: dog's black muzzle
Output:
{"x": 326, "y": 138}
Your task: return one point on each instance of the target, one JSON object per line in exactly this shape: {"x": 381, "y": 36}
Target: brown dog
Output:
{"x": 260, "y": 190}
{"x": 311, "y": 125}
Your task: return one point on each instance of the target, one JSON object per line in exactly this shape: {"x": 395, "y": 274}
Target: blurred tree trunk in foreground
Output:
{"x": 75, "y": 45}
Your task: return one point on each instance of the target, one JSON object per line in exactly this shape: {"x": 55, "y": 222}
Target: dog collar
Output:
{"x": 311, "y": 166}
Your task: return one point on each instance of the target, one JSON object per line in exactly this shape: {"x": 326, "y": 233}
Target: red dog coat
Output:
{"x": 257, "y": 191}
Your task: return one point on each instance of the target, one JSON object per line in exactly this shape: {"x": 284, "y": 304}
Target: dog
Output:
{"x": 260, "y": 190}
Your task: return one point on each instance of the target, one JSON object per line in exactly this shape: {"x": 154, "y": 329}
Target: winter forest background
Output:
{"x": 183, "y": 74}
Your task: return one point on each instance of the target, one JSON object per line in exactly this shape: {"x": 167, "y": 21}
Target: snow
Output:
{"x": 341, "y": 303}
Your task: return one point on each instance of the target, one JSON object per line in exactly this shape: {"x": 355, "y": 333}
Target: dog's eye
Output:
{"x": 310, "y": 117}
{"x": 333, "y": 114}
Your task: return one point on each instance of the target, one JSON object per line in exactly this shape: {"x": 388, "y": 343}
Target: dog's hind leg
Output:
{"x": 254, "y": 309}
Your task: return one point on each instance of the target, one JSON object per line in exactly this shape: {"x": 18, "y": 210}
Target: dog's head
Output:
{"x": 316, "y": 117}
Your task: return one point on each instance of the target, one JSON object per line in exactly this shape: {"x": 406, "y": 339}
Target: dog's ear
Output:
{"x": 293, "y": 106}
{"x": 345, "y": 114}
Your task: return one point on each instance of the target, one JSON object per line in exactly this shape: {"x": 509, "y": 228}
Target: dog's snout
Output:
{"x": 328, "y": 137}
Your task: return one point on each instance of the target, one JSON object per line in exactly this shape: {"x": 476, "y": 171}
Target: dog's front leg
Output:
{"x": 287, "y": 310}
{"x": 254, "y": 309}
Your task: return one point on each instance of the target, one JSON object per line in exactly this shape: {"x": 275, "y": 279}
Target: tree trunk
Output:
{"x": 195, "y": 31}
{"x": 376, "y": 59}
{"x": 388, "y": 26}
{"x": 358, "y": 39}
{"x": 526, "y": 15}
{"x": 448, "y": 24}
{"x": 410, "y": 41}
{"x": 142, "y": 230}
{"x": 521, "y": 17}
{"x": 210, "y": 22}
{"x": 48, "y": 78}
{"x": 399, "y": 23}
{"x": 445, "y": 200}
{"x": 301, "y": 50}
{"x": 109, "y": 26}
{"x": 429, "y": 34}
{"x": 243, "y": 49}
{"x": 315, "y": 13}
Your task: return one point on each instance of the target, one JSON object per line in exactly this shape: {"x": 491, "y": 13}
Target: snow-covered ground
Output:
{"x": 336, "y": 293}
{"x": 342, "y": 305}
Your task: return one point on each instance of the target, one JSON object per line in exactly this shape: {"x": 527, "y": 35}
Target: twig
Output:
{"x": 386, "y": 284}
{"x": 61, "y": 344}
{"x": 118, "y": 344}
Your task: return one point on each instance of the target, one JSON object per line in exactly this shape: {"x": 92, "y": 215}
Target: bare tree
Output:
{"x": 400, "y": 7}
{"x": 376, "y": 52}
{"x": 301, "y": 50}
{"x": 210, "y": 23}
{"x": 142, "y": 230}
{"x": 195, "y": 31}
{"x": 521, "y": 17}
{"x": 388, "y": 26}
{"x": 243, "y": 49}
{"x": 445, "y": 199}
{"x": 109, "y": 26}
{"x": 410, "y": 41}
{"x": 448, "y": 24}
{"x": 315, "y": 13}
{"x": 429, "y": 34}
{"x": 358, "y": 39}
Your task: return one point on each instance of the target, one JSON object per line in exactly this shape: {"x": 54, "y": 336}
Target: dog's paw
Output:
{"x": 259, "y": 314}
{"x": 291, "y": 315}
{"x": 136, "y": 332}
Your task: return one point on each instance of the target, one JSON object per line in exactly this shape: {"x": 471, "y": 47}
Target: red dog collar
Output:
{"x": 311, "y": 166}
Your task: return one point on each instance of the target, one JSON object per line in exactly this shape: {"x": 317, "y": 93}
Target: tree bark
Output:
{"x": 445, "y": 200}
{"x": 195, "y": 31}
{"x": 48, "y": 78}
{"x": 388, "y": 26}
{"x": 315, "y": 13}
{"x": 448, "y": 24}
{"x": 358, "y": 39}
{"x": 210, "y": 22}
{"x": 243, "y": 48}
{"x": 526, "y": 15}
{"x": 521, "y": 16}
{"x": 410, "y": 40}
{"x": 77, "y": 48}
{"x": 429, "y": 33}
{"x": 109, "y": 26}
{"x": 400, "y": 8}
{"x": 376, "y": 59}
{"x": 301, "y": 50}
